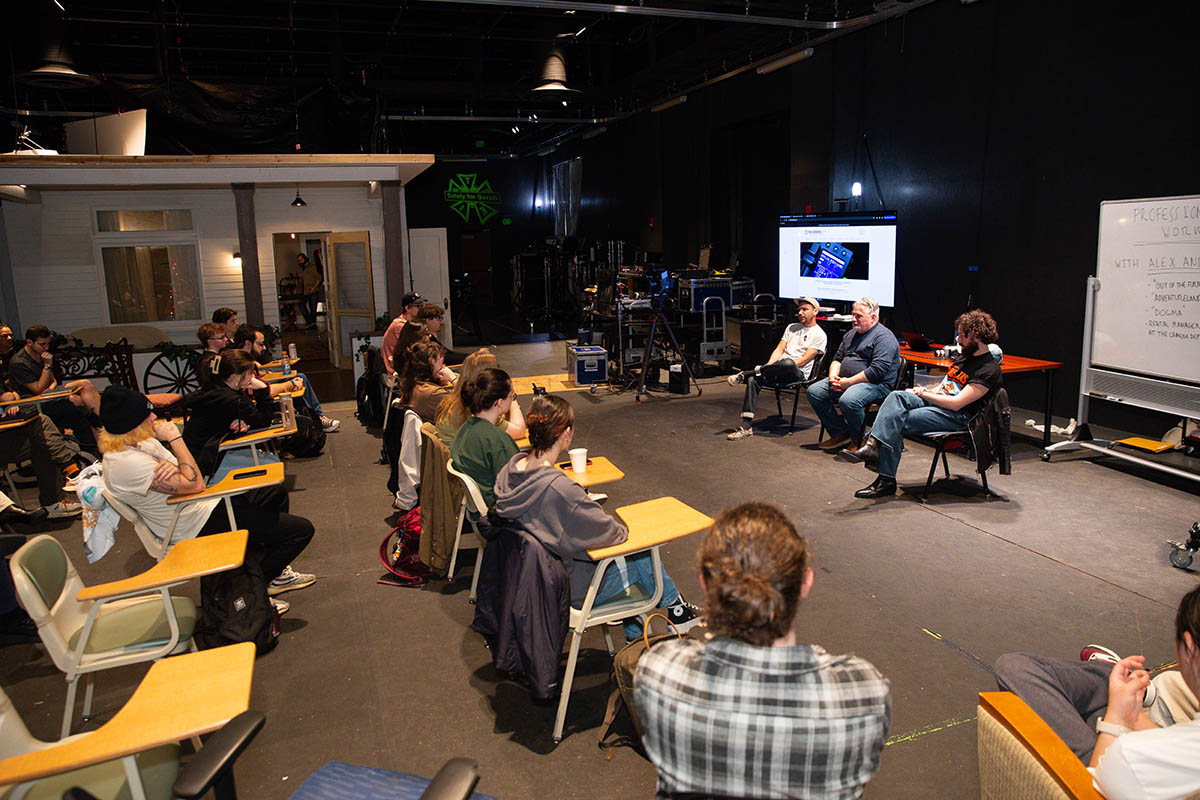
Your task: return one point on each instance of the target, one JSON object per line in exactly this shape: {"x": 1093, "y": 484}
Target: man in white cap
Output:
{"x": 793, "y": 359}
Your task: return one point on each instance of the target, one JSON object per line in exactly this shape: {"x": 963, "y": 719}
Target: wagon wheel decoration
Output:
{"x": 172, "y": 372}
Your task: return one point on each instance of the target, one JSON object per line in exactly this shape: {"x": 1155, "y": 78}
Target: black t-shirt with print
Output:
{"x": 982, "y": 370}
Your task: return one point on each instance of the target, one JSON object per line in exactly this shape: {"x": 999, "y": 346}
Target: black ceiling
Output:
{"x": 349, "y": 75}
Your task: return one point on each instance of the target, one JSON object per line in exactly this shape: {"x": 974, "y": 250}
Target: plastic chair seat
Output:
{"x": 630, "y": 602}
{"x": 140, "y": 622}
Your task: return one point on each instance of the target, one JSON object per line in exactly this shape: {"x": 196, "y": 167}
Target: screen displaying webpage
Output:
{"x": 838, "y": 256}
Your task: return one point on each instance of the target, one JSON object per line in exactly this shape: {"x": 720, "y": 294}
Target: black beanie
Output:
{"x": 122, "y": 409}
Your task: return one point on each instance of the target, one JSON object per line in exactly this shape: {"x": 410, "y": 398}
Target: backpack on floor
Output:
{"x": 367, "y": 391}
{"x": 309, "y": 438}
{"x": 234, "y": 607}
{"x": 624, "y": 666}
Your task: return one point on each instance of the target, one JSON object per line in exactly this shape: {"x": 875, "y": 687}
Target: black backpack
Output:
{"x": 235, "y": 608}
{"x": 368, "y": 392}
{"x": 309, "y": 438}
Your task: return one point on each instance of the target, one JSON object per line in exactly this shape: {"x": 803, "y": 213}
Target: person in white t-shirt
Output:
{"x": 794, "y": 359}
{"x": 143, "y": 473}
{"x": 1144, "y": 740}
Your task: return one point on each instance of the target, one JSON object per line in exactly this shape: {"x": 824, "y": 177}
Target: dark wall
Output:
{"x": 518, "y": 183}
{"x": 995, "y": 130}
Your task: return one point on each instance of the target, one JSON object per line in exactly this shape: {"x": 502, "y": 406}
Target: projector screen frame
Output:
{"x": 864, "y": 254}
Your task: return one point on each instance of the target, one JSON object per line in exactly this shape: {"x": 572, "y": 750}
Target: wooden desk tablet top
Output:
{"x": 191, "y": 558}
{"x": 8, "y": 423}
{"x": 654, "y": 522}
{"x": 601, "y": 470}
{"x": 277, "y": 364}
{"x": 57, "y": 393}
{"x": 257, "y": 437}
{"x": 1009, "y": 364}
{"x": 236, "y": 481}
{"x": 180, "y": 697}
{"x": 523, "y": 443}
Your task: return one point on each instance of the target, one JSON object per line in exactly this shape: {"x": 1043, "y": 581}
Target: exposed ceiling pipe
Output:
{"x": 658, "y": 11}
{"x": 470, "y": 118}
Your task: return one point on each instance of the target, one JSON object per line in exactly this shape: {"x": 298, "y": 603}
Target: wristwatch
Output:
{"x": 1111, "y": 728}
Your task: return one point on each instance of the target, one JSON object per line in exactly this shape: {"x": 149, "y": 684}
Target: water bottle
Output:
{"x": 287, "y": 411}
{"x": 287, "y": 366}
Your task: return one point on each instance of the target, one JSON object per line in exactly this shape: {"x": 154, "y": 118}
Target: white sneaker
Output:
{"x": 329, "y": 425}
{"x": 740, "y": 433}
{"x": 281, "y": 606}
{"x": 63, "y": 509}
{"x": 736, "y": 378}
{"x": 288, "y": 580}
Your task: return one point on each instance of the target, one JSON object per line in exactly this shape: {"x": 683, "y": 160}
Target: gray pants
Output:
{"x": 1071, "y": 695}
{"x": 60, "y": 452}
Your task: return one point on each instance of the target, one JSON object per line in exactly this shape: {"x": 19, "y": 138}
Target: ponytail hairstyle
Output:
{"x": 410, "y": 334}
{"x": 1187, "y": 619}
{"x": 489, "y": 387}
{"x": 231, "y": 362}
{"x": 454, "y": 408}
{"x": 548, "y": 417}
{"x": 753, "y": 564}
{"x": 417, "y": 368}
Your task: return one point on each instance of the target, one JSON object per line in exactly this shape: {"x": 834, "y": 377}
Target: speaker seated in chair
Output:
{"x": 794, "y": 363}
{"x": 966, "y": 391}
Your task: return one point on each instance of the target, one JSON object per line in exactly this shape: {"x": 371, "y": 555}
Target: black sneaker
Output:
{"x": 683, "y": 614}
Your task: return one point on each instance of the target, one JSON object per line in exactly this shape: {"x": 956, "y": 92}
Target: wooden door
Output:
{"x": 350, "y": 293}
{"x": 431, "y": 272}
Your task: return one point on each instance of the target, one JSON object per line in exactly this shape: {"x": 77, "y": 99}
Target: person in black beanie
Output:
{"x": 143, "y": 473}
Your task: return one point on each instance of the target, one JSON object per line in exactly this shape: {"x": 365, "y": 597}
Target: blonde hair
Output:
{"x": 115, "y": 443}
{"x": 454, "y": 409}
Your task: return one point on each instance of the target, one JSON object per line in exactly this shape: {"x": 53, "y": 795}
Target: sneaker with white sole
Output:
{"x": 70, "y": 486}
{"x": 736, "y": 378}
{"x": 281, "y": 606}
{"x": 1098, "y": 652}
{"x": 683, "y": 614}
{"x": 329, "y": 425}
{"x": 740, "y": 433}
{"x": 63, "y": 509}
{"x": 288, "y": 580}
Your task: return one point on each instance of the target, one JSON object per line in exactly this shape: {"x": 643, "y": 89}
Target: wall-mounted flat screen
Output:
{"x": 838, "y": 256}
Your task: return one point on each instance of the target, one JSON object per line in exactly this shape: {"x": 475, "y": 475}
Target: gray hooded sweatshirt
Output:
{"x": 559, "y": 514}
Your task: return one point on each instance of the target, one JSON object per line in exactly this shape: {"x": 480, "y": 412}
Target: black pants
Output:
{"x": 66, "y": 414}
{"x": 33, "y": 435}
{"x": 277, "y": 535}
{"x": 393, "y": 435}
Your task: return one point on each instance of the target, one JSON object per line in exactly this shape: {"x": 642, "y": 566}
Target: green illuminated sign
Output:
{"x": 506, "y": 221}
{"x": 466, "y": 194}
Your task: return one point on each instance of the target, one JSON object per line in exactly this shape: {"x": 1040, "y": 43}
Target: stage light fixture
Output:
{"x": 786, "y": 61}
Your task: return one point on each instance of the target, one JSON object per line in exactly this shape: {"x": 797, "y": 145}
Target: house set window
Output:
{"x": 151, "y": 267}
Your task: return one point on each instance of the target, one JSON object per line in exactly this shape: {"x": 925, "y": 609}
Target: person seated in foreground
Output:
{"x": 948, "y": 406}
{"x": 752, "y": 712}
{"x": 420, "y": 386}
{"x": 1139, "y": 738}
{"x": 251, "y": 341}
{"x": 479, "y": 448}
{"x": 452, "y": 413}
{"x": 793, "y": 359}
{"x": 410, "y": 307}
{"x": 29, "y": 441}
{"x": 143, "y": 474}
{"x": 30, "y": 372}
{"x": 863, "y": 371}
{"x": 559, "y": 513}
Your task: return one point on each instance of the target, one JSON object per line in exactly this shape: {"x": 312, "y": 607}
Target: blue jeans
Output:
{"x": 639, "y": 571}
{"x": 310, "y": 397}
{"x": 853, "y": 404}
{"x": 904, "y": 412}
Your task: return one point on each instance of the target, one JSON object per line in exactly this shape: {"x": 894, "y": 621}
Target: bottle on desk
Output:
{"x": 292, "y": 351}
{"x": 287, "y": 366}
{"x": 287, "y": 411}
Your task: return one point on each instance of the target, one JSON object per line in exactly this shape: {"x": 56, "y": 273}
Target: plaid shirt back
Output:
{"x": 731, "y": 718}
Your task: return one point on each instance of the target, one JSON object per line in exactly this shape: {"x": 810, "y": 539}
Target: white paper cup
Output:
{"x": 578, "y": 459}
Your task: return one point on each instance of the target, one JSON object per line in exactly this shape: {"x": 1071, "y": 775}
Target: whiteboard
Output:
{"x": 1147, "y": 309}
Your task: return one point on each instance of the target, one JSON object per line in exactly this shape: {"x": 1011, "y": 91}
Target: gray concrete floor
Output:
{"x": 1072, "y": 552}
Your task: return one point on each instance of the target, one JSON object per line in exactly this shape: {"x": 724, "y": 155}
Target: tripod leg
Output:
{"x": 682, "y": 357}
{"x": 641, "y": 390}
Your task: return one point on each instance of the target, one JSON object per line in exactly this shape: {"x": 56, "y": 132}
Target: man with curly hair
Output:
{"x": 948, "y": 406}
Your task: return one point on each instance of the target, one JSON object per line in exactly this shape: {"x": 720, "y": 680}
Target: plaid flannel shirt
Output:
{"x": 731, "y": 718}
